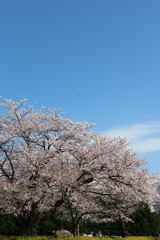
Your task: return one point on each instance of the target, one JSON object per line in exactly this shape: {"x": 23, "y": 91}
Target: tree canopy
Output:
{"x": 50, "y": 162}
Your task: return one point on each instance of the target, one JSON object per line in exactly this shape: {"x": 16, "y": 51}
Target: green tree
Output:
{"x": 145, "y": 222}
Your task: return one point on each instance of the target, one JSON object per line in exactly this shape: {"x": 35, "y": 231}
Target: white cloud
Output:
{"x": 142, "y": 137}
{"x": 147, "y": 145}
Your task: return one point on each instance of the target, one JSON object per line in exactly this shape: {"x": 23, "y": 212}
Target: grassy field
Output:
{"x": 74, "y": 238}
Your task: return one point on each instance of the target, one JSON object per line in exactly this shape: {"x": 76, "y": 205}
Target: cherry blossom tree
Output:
{"x": 47, "y": 161}
{"x": 34, "y": 157}
{"x": 120, "y": 179}
{"x": 109, "y": 181}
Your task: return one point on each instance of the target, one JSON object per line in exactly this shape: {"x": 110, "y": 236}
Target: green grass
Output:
{"x": 74, "y": 238}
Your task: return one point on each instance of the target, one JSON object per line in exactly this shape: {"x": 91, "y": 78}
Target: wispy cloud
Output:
{"x": 142, "y": 137}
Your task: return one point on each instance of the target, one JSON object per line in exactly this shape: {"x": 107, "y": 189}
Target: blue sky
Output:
{"x": 99, "y": 61}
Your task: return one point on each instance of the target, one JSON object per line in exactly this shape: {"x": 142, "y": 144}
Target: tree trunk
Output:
{"x": 30, "y": 221}
{"x": 76, "y": 229}
{"x": 122, "y": 228}
{"x": 29, "y": 225}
